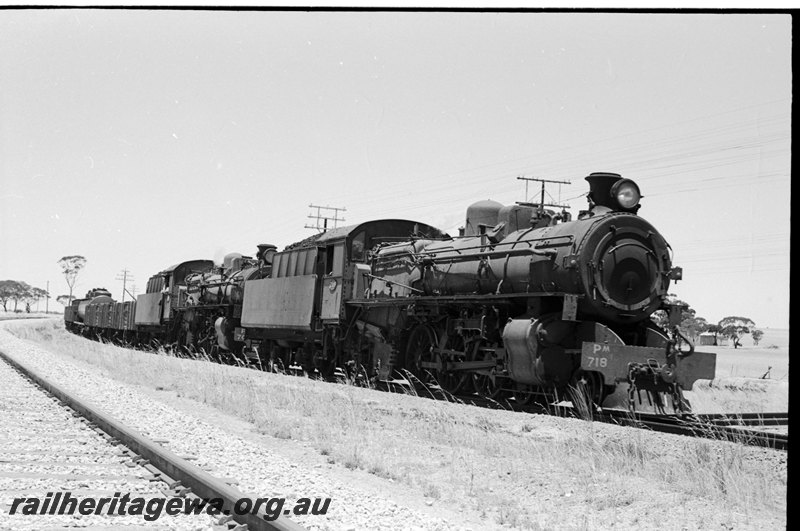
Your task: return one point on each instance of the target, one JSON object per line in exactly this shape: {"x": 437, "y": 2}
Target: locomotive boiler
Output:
{"x": 210, "y": 306}
{"x": 612, "y": 263}
{"x": 549, "y": 304}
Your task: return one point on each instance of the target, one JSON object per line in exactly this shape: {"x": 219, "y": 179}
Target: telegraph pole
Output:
{"x": 47, "y": 298}
{"x": 125, "y": 276}
{"x": 324, "y": 218}
{"x": 542, "y": 204}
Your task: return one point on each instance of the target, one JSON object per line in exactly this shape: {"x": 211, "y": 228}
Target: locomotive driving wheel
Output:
{"x": 419, "y": 349}
{"x": 485, "y": 382}
{"x": 356, "y": 374}
{"x": 278, "y": 359}
{"x": 587, "y": 393}
{"x": 523, "y": 394}
{"x": 331, "y": 353}
{"x": 454, "y": 381}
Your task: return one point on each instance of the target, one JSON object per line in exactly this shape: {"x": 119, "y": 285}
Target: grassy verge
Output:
{"x": 739, "y": 395}
{"x": 7, "y": 316}
{"x": 526, "y": 471}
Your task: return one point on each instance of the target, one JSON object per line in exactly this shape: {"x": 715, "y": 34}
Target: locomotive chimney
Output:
{"x": 600, "y": 184}
{"x": 265, "y": 252}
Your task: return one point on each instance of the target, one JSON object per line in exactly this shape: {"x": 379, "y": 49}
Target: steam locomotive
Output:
{"x": 524, "y": 300}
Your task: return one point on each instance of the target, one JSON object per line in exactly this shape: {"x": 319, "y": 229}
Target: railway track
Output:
{"x": 737, "y": 427}
{"x": 745, "y": 419}
{"x": 734, "y": 427}
{"x": 55, "y": 443}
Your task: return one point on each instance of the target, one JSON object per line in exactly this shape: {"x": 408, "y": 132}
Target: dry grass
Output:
{"x": 739, "y": 395}
{"x": 723, "y": 395}
{"x": 7, "y": 316}
{"x": 525, "y": 471}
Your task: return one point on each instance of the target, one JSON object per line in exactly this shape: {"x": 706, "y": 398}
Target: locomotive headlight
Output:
{"x": 626, "y": 193}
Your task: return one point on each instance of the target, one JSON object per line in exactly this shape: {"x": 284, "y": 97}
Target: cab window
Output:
{"x": 334, "y": 263}
{"x": 358, "y": 247}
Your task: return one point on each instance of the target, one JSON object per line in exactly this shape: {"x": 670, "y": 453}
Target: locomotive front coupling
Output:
{"x": 655, "y": 370}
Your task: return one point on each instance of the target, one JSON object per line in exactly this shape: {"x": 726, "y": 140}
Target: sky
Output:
{"x": 143, "y": 138}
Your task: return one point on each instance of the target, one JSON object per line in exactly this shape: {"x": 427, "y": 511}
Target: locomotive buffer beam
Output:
{"x": 612, "y": 361}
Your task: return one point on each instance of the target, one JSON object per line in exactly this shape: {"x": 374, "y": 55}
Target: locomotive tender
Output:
{"x": 525, "y": 300}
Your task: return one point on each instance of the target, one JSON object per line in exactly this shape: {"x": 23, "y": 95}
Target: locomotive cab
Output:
{"x": 164, "y": 292}
{"x": 347, "y": 252}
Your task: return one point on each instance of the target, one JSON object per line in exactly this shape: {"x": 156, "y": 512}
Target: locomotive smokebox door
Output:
{"x": 332, "y": 282}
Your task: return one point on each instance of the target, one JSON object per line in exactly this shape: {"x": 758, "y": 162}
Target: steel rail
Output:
{"x": 744, "y": 419}
{"x": 201, "y": 483}
{"x": 740, "y": 419}
{"x": 698, "y": 428}
{"x": 735, "y": 420}
{"x": 721, "y": 426}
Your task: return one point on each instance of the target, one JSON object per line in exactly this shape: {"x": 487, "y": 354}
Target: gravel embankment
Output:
{"x": 45, "y": 449}
{"x": 260, "y": 472}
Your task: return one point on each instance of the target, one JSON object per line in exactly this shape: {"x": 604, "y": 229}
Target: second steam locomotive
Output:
{"x": 525, "y": 300}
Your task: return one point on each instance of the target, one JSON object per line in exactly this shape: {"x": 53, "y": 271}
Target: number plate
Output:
{"x": 612, "y": 360}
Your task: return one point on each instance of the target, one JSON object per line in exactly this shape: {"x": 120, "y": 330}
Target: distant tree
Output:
{"x": 694, "y": 326}
{"x": 34, "y": 296}
{"x": 735, "y": 327}
{"x": 19, "y": 292}
{"x": 71, "y": 266}
{"x": 63, "y": 299}
{"x": 714, "y": 329}
{"x": 691, "y": 325}
{"x": 7, "y": 290}
{"x": 660, "y": 317}
{"x": 756, "y": 334}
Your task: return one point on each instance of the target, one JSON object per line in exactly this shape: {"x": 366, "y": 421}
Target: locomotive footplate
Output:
{"x": 612, "y": 361}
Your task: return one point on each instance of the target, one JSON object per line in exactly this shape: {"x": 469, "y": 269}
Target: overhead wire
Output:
{"x": 714, "y": 147}
{"x": 673, "y": 162}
